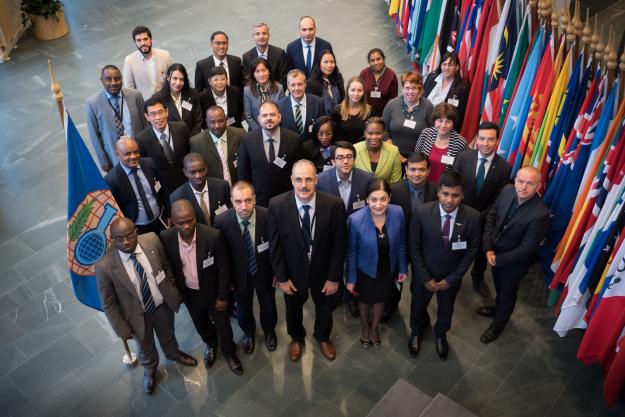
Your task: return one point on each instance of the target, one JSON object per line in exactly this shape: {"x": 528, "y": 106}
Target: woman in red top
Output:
{"x": 380, "y": 82}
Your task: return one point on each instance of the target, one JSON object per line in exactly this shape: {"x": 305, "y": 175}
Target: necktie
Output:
{"x": 146, "y": 294}
{"x": 446, "y": 227}
{"x": 204, "y": 207}
{"x": 479, "y": 178}
{"x": 251, "y": 256}
{"x": 119, "y": 123}
{"x": 221, "y": 64}
{"x": 224, "y": 162}
{"x": 415, "y": 198}
{"x": 298, "y": 119}
{"x": 514, "y": 207}
{"x": 142, "y": 196}
{"x": 169, "y": 153}
{"x": 308, "y": 59}
{"x": 272, "y": 151}
{"x": 306, "y": 233}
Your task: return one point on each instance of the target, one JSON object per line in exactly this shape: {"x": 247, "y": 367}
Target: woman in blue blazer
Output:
{"x": 376, "y": 257}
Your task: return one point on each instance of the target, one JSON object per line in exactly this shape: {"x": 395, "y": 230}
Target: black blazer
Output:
{"x": 192, "y": 118}
{"x": 295, "y": 54}
{"x": 516, "y": 242}
{"x": 268, "y": 179}
{"x": 218, "y": 195}
{"x": 214, "y": 280}
{"x": 314, "y": 110}
{"x": 429, "y": 258}
{"x": 234, "y": 99}
{"x": 289, "y": 257}
{"x": 400, "y": 195}
{"x": 149, "y": 146}
{"x": 203, "y": 67}
{"x": 459, "y": 90}
{"x": 276, "y": 58}
{"x": 326, "y": 182}
{"x": 229, "y": 225}
{"x": 124, "y": 194}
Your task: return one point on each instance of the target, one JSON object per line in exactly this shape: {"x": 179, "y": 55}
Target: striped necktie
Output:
{"x": 146, "y": 294}
{"x": 251, "y": 255}
{"x": 298, "y": 118}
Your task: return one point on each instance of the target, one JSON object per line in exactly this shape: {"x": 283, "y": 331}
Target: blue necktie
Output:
{"x": 479, "y": 178}
{"x": 309, "y": 59}
{"x": 146, "y": 294}
{"x": 251, "y": 255}
{"x": 119, "y": 123}
{"x": 306, "y": 232}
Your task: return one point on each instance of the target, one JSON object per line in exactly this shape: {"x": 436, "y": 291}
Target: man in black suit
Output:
{"x": 307, "y": 240}
{"x": 136, "y": 187}
{"x": 244, "y": 228}
{"x": 208, "y": 196}
{"x": 201, "y": 263}
{"x": 267, "y": 155}
{"x": 515, "y": 226}
{"x": 300, "y": 110}
{"x": 485, "y": 173}
{"x": 444, "y": 237}
{"x": 228, "y": 97}
{"x": 220, "y": 58}
{"x": 165, "y": 142}
{"x": 303, "y": 53}
{"x": 275, "y": 56}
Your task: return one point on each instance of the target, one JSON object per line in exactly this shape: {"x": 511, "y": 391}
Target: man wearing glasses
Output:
{"x": 220, "y": 58}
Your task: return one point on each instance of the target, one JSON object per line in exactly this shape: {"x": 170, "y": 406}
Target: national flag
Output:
{"x": 429, "y": 31}
{"x": 468, "y": 34}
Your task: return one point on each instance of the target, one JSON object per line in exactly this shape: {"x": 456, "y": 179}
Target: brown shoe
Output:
{"x": 328, "y": 350}
{"x": 295, "y": 350}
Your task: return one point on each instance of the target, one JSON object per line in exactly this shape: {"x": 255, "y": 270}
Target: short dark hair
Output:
{"x": 416, "y": 157}
{"x": 109, "y": 67}
{"x": 445, "y": 110}
{"x": 488, "y": 125}
{"x": 218, "y": 32}
{"x": 152, "y": 101}
{"x": 343, "y": 144}
{"x": 376, "y": 184}
{"x": 192, "y": 157}
{"x": 320, "y": 122}
{"x": 451, "y": 179}
{"x": 273, "y": 103}
{"x": 217, "y": 71}
{"x": 375, "y": 120}
{"x": 375, "y": 51}
{"x": 452, "y": 55}
{"x": 141, "y": 29}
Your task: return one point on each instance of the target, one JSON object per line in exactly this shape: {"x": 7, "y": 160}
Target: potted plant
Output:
{"x": 46, "y": 17}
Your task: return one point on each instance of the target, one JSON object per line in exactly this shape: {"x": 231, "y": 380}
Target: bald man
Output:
{"x": 515, "y": 225}
{"x": 304, "y": 53}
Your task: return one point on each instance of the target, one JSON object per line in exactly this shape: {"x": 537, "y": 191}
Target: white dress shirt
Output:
{"x": 452, "y": 221}
{"x": 225, "y": 62}
{"x": 311, "y": 213}
{"x": 489, "y": 160}
{"x": 136, "y": 280}
{"x": 312, "y": 50}
{"x": 302, "y": 109}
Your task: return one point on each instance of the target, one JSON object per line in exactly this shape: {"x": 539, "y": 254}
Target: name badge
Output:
{"x": 221, "y": 209}
{"x": 310, "y": 128}
{"x": 279, "y": 161}
{"x": 376, "y": 94}
{"x": 157, "y": 186}
{"x": 230, "y": 121}
{"x": 410, "y": 124}
{"x": 458, "y": 245}
{"x": 210, "y": 261}
{"x": 447, "y": 160}
{"x": 358, "y": 204}
{"x": 327, "y": 167}
{"x": 160, "y": 277}
{"x": 235, "y": 162}
{"x": 453, "y": 101}
{"x": 263, "y": 247}
{"x": 186, "y": 105}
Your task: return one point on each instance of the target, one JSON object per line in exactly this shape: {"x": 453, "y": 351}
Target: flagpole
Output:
{"x": 57, "y": 94}
{"x": 129, "y": 359}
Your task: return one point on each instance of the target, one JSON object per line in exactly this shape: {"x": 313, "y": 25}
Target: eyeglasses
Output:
{"x": 220, "y": 43}
{"x": 342, "y": 158}
{"x": 128, "y": 236}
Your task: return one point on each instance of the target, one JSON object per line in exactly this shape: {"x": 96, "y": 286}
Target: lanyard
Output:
{"x": 120, "y": 115}
{"x": 377, "y": 81}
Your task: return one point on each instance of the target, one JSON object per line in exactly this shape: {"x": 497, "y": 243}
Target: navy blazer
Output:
{"x": 326, "y": 181}
{"x": 218, "y": 195}
{"x": 314, "y": 110}
{"x": 295, "y": 54}
{"x": 362, "y": 246}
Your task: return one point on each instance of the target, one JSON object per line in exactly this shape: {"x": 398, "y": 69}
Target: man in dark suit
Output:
{"x": 444, "y": 237}
{"x": 228, "y": 97}
{"x": 136, "y": 187}
{"x": 219, "y": 145}
{"x": 165, "y": 142}
{"x": 208, "y": 196}
{"x": 201, "y": 264}
{"x": 300, "y": 110}
{"x": 307, "y": 235}
{"x": 244, "y": 228}
{"x": 304, "y": 53}
{"x": 138, "y": 293}
{"x": 515, "y": 226}
{"x": 267, "y": 155}
{"x": 220, "y": 58}
{"x": 485, "y": 173}
{"x": 275, "y": 56}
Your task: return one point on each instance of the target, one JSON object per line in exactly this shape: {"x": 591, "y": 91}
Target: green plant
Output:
{"x": 45, "y": 8}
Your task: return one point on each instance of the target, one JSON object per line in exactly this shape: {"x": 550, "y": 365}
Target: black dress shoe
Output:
{"x": 186, "y": 359}
{"x": 149, "y": 382}
{"x": 235, "y": 364}
{"x": 271, "y": 341}
{"x": 485, "y": 311}
{"x": 210, "y": 355}
{"x": 442, "y": 348}
{"x": 490, "y": 334}
{"x": 247, "y": 343}
{"x": 414, "y": 345}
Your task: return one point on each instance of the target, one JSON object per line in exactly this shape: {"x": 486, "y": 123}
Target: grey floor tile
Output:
{"x": 42, "y": 336}
{"x": 9, "y": 280}
{"x": 311, "y": 405}
{"x": 194, "y": 406}
{"x": 9, "y": 331}
{"x": 7, "y": 304}
{"x": 355, "y": 405}
{"x": 10, "y": 358}
{"x": 44, "y": 259}
{"x": 475, "y": 389}
{"x": 384, "y": 375}
{"x": 502, "y": 355}
{"x": 248, "y": 401}
{"x": 14, "y": 251}
{"x": 103, "y": 401}
{"x": 37, "y": 311}
{"x": 564, "y": 408}
{"x": 56, "y": 400}
{"x": 11, "y": 398}
{"x": 340, "y": 380}
{"x": 94, "y": 336}
{"x": 141, "y": 404}
{"x": 554, "y": 355}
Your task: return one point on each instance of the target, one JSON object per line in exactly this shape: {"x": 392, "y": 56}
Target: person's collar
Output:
{"x": 453, "y": 214}
{"x": 413, "y": 187}
{"x": 225, "y": 94}
{"x": 349, "y": 179}
{"x": 217, "y": 139}
{"x": 110, "y": 96}
{"x": 312, "y": 44}
{"x": 158, "y": 134}
{"x": 488, "y": 158}
{"x": 275, "y": 135}
{"x": 185, "y": 244}
{"x": 125, "y": 256}
{"x": 302, "y": 102}
{"x": 251, "y": 220}
{"x": 258, "y": 51}
{"x": 439, "y": 78}
{"x": 219, "y": 61}
{"x": 145, "y": 58}
{"x": 311, "y": 203}
{"x": 128, "y": 170}
{"x": 203, "y": 190}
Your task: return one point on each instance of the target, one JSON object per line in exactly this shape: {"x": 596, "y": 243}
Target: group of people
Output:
{"x": 335, "y": 192}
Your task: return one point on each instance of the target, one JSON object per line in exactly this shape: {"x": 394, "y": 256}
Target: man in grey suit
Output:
{"x": 275, "y": 56}
{"x": 219, "y": 145}
{"x": 112, "y": 113}
{"x": 138, "y": 292}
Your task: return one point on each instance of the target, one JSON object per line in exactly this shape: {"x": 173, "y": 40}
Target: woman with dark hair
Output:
{"x": 376, "y": 257}
{"x": 260, "y": 88}
{"x": 446, "y": 86}
{"x": 351, "y": 114}
{"x": 380, "y": 82}
{"x": 376, "y": 155}
{"x": 326, "y": 81}
{"x": 180, "y": 99}
{"x": 441, "y": 143}
{"x": 318, "y": 150}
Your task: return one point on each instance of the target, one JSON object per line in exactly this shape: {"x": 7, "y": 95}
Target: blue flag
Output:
{"x": 90, "y": 210}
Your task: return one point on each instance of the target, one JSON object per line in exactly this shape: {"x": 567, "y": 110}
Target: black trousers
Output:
{"x": 266, "y": 295}
{"x": 161, "y": 322}
{"x": 479, "y": 263}
{"x": 323, "y": 314}
{"x": 507, "y": 286}
{"x": 421, "y": 297}
{"x": 212, "y": 325}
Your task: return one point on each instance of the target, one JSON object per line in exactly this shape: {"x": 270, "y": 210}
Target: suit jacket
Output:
{"x": 101, "y": 122}
{"x": 497, "y": 177}
{"x": 203, "y": 144}
{"x": 124, "y": 194}
{"x": 228, "y": 223}
{"x": 314, "y": 110}
{"x": 214, "y": 280}
{"x": 389, "y": 164}
{"x": 326, "y": 181}
{"x": 362, "y": 244}
{"x": 400, "y": 195}
{"x": 429, "y": 258}
{"x": 192, "y": 118}
{"x": 136, "y": 71}
{"x": 203, "y": 67}
{"x": 218, "y": 195}
{"x": 459, "y": 90}
{"x": 150, "y": 146}
{"x": 234, "y": 100}
{"x": 268, "y": 179}
{"x": 251, "y": 104}
{"x": 277, "y": 60}
{"x": 289, "y": 257}
{"x": 120, "y": 301}
{"x": 295, "y": 54}
{"x": 515, "y": 242}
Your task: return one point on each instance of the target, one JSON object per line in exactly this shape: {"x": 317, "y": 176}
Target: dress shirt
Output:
{"x": 311, "y": 213}
{"x": 452, "y": 221}
{"x": 225, "y": 62}
{"x": 178, "y": 104}
{"x": 146, "y": 75}
{"x": 221, "y": 101}
{"x": 189, "y": 263}
{"x": 312, "y": 50}
{"x": 136, "y": 280}
{"x": 420, "y": 193}
{"x": 142, "y": 217}
{"x": 251, "y": 227}
{"x": 166, "y": 132}
{"x": 262, "y": 54}
{"x": 489, "y": 160}
{"x": 222, "y": 143}
{"x": 276, "y": 143}
{"x": 125, "y": 113}
{"x": 302, "y": 109}
{"x": 438, "y": 93}
{"x": 199, "y": 196}
{"x": 345, "y": 187}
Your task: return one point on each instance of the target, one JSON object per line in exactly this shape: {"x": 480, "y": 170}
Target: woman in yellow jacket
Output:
{"x": 377, "y": 156}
